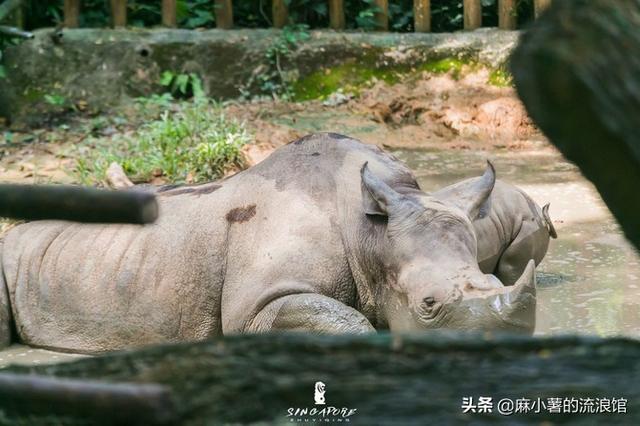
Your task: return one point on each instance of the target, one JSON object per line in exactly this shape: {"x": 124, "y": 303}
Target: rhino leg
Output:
{"x": 309, "y": 312}
{"x": 5, "y": 309}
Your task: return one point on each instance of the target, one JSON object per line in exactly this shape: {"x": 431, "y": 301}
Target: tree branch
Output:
{"x": 65, "y": 202}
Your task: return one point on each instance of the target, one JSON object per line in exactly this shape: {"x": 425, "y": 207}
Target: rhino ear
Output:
{"x": 471, "y": 194}
{"x": 377, "y": 196}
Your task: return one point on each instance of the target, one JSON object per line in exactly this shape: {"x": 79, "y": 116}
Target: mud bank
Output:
{"x": 93, "y": 69}
{"x": 426, "y": 111}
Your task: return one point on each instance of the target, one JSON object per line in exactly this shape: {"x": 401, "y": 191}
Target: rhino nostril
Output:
{"x": 429, "y": 301}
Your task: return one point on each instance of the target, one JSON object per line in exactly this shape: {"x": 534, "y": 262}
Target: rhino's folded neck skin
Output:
{"x": 417, "y": 260}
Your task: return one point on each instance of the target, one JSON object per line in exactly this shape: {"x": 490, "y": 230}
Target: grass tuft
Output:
{"x": 196, "y": 143}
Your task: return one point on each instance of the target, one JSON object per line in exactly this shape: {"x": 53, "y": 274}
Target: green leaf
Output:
{"x": 196, "y": 86}
{"x": 57, "y": 100}
{"x": 182, "y": 10}
{"x": 182, "y": 82}
{"x": 166, "y": 78}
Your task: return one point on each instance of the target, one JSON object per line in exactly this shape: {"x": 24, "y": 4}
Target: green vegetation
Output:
{"x": 55, "y": 100}
{"x": 352, "y": 77}
{"x": 445, "y": 65}
{"x": 276, "y": 79}
{"x": 501, "y": 78}
{"x": 193, "y": 144}
{"x": 349, "y": 78}
{"x": 359, "y": 14}
{"x": 182, "y": 85}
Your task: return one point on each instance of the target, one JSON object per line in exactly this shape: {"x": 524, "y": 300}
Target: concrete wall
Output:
{"x": 101, "y": 68}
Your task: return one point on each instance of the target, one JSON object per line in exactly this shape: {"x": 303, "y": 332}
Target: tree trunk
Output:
{"x": 388, "y": 380}
{"x": 578, "y": 73}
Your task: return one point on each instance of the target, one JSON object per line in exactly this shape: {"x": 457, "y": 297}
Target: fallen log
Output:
{"x": 420, "y": 379}
{"x": 577, "y": 70}
{"x": 92, "y": 401}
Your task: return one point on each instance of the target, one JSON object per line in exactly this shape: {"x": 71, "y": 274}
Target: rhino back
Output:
{"x": 218, "y": 252}
{"x": 293, "y": 239}
{"x": 509, "y": 213}
{"x": 101, "y": 287}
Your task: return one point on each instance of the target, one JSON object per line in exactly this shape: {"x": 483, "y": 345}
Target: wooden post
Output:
{"x": 169, "y": 13}
{"x": 224, "y": 14}
{"x": 71, "y": 13}
{"x": 539, "y": 6}
{"x": 336, "y": 14}
{"x": 507, "y": 19}
{"x": 472, "y": 10}
{"x": 280, "y": 13}
{"x": 119, "y": 13}
{"x": 422, "y": 15}
{"x": 382, "y": 16}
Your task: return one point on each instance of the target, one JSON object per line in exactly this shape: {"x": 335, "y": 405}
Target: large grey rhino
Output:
{"x": 326, "y": 235}
{"x": 510, "y": 227}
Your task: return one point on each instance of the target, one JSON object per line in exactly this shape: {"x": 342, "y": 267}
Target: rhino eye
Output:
{"x": 429, "y": 301}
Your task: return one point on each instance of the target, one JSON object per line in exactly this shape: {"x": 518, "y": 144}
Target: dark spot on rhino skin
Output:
{"x": 241, "y": 214}
{"x": 315, "y": 154}
{"x": 193, "y": 190}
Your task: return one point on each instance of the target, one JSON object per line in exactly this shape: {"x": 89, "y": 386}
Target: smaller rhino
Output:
{"x": 510, "y": 227}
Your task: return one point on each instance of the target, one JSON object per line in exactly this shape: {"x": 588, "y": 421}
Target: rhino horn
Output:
{"x": 515, "y": 305}
{"x": 470, "y": 195}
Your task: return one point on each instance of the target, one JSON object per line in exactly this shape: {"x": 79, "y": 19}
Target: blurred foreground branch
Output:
{"x": 386, "y": 379}
{"x": 15, "y": 32}
{"x": 63, "y": 202}
{"x": 577, "y": 70}
{"x": 94, "y": 402}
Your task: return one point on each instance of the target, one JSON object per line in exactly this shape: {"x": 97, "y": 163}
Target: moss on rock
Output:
{"x": 352, "y": 77}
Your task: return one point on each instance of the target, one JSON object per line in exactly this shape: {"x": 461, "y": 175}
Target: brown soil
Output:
{"x": 429, "y": 111}
{"x": 445, "y": 109}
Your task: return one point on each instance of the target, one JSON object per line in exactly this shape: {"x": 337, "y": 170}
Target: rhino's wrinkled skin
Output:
{"x": 511, "y": 229}
{"x": 325, "y": 235}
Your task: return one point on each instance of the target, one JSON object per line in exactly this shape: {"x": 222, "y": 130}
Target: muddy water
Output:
{"x": 589, "y": 282}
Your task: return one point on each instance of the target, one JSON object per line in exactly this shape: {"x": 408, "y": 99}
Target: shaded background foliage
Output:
{"x": 446, "y": 14}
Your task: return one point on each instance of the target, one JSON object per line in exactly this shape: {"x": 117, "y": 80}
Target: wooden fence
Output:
{"x": 223, "y": 10}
